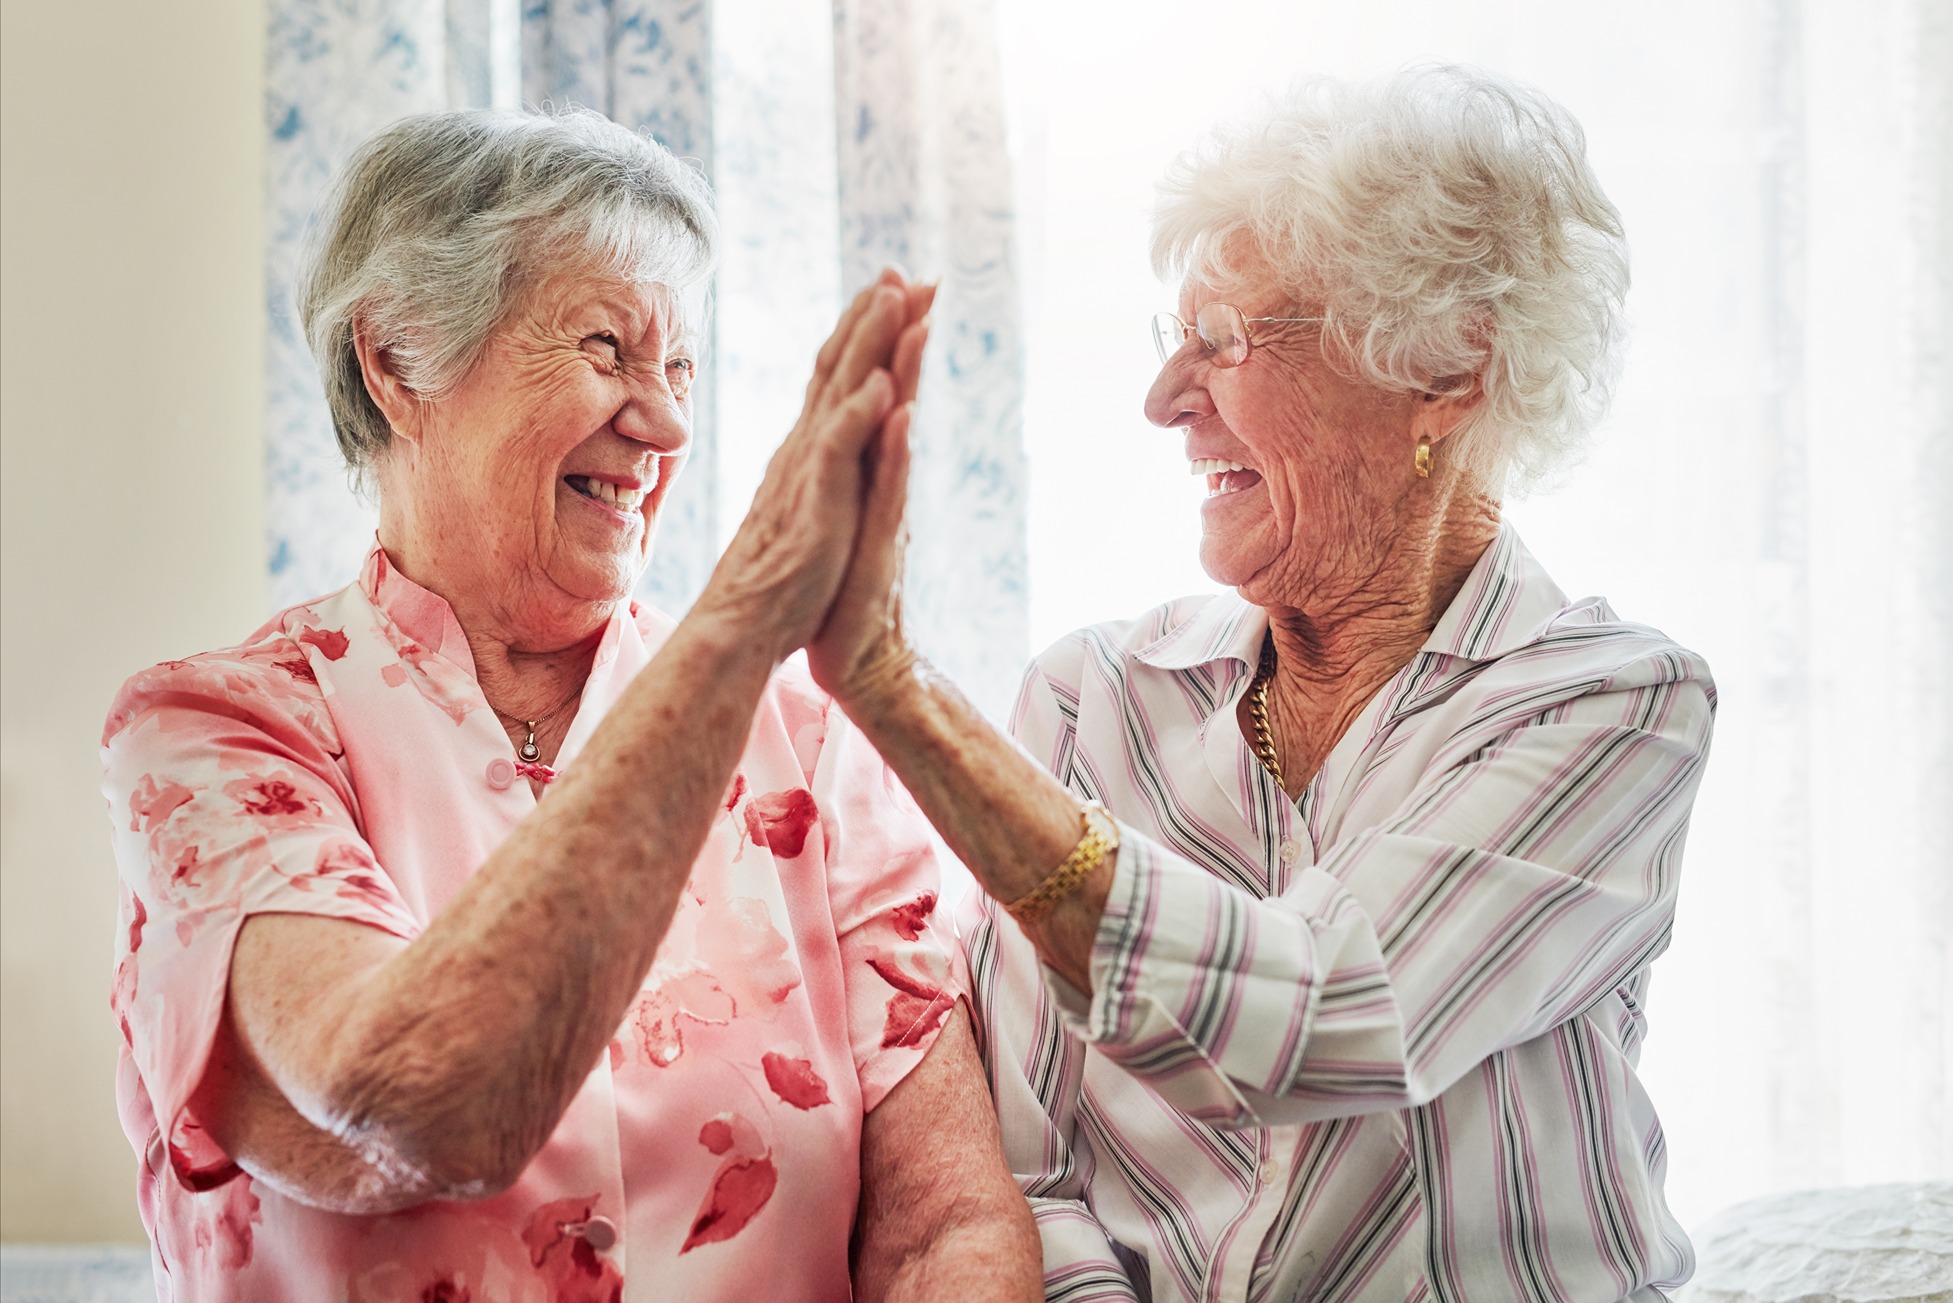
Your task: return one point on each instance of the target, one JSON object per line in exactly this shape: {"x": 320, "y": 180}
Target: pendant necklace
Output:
{"x": 529, "y": 753}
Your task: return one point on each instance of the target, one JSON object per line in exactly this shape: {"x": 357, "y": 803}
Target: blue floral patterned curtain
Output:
{"x": 839, "y": 138}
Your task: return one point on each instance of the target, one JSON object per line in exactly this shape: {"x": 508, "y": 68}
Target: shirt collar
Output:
{"x": 1507, "y": 598}
{"x": 1226, "y": 628}
{"x": 426, "y": 618}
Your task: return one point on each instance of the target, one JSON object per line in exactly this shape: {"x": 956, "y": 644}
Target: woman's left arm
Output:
{"x": 940, "y": 1216}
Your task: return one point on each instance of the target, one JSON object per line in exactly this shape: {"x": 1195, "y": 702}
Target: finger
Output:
{"x": 888, "y": 501}
{"x": 872, "y": 343}
{"x": 855, "y": 421}
{"x": 921, "y": 299}
{"x": 830, "y": 352}
{"x": 877, "y": 565}
{"x": 906, "y": 366}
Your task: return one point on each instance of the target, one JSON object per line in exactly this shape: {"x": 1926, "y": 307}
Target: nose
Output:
{"x": 1179, "y": 394}
{"x": 653, "y": 416}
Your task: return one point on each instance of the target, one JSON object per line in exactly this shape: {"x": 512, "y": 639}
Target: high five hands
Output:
{"x": 817, "y": 563}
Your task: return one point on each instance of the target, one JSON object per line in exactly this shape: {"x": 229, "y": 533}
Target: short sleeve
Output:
{"x": 226, "y": 799}
{"x": 900, "y": 963}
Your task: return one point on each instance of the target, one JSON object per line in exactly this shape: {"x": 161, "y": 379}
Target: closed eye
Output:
{"x": 607, "y": 350}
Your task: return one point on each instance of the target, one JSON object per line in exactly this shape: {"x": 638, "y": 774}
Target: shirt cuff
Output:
{"x": 1199, "y": 988}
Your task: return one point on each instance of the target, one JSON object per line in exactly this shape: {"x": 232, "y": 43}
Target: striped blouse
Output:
{"x": 1378, "y": 1043}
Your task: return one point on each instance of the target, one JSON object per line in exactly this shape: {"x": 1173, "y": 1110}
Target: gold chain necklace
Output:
{"x": 529, "y": 752}
{"x": 1258, "y": 711}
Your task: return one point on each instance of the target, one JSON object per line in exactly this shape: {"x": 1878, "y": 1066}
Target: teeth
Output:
{"x": 1215, "y": 466}
{"x": 609, "y": 494}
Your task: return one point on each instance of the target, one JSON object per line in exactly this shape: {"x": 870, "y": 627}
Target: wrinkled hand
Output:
{"x": 779, "y": 576}
{"x": 862, "y": 646}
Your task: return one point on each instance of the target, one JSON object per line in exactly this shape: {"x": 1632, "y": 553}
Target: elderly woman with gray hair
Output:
{"x": 1319, "y": 921}
{"x": 485, "y": 937}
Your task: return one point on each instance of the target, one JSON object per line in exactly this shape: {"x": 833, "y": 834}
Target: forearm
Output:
{"x": 459, "y": 1056}
{"x": 1003, "y": 815}
{"x": 985, "y": 1252}
{"x": 940, "y": 1216}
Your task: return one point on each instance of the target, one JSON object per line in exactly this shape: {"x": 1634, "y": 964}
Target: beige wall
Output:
{"x": 131, "y": 241}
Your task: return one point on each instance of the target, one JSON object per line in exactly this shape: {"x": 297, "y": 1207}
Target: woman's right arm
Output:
{"x": 358, "y": 1071}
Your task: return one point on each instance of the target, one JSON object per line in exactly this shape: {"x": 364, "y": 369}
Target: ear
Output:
{"x": 1440, "y": 411}
{"x": 399, "y": 404}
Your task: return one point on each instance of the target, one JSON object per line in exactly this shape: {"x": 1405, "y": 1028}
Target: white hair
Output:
{"x": 436, "y": 226}
{"x": 1445, "y": 223}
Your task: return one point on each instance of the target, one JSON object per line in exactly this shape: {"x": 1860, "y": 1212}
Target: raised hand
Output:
{"x": 862, "y": 643}
{"x": 780, "y": 574}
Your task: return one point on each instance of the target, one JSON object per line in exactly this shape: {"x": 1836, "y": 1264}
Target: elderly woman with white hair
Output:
{"x": 485, "y": 937}
{"x": 1327, "y": 906}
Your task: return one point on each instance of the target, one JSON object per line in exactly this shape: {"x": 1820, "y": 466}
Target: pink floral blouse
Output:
{"x": 344, "y": 763}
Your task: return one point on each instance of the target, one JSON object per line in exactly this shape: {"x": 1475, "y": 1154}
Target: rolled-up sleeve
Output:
{"x": 225, "y": 800}
{"x": 1528, "y": 876}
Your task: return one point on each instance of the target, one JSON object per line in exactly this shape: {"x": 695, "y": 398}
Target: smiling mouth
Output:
{"x": 611, "y": 495}
{"x": 1225, "y": 476}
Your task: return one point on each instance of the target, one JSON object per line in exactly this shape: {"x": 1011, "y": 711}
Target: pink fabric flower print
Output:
{"x": 137, "y": 917}
{"x": 152, "y": 803}
{"x": 300, "y": 670}
{"x": 272, "y": 797}
{"x": 794, "y": 1080}
{"x": 740, "y": 1188}
{"x": 444, "y": 685}
{"x": 356, "y": 874}
{"x": 122, "y": 995}
{"x": 696, "y": 995}
{"x": 916, "y": 1009}
{"x": 332, "y": 643}
{"x": 738, "y": 942}
{"x": 226, "y": 1230}
{"x": 911, "y": 916}
{"x": 779, "y": 821}
{"x": 570, "y": 1267}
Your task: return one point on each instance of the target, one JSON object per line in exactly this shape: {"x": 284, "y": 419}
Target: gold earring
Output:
{"x": 1424, "y": 457}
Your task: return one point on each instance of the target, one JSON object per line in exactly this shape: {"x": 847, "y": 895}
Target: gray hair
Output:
{"x": 1447, "y": 224}
{"x": 436, "y": 226}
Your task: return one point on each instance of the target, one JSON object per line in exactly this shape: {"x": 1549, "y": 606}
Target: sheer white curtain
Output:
{"x": 1773, "y": 486}
{"x": 840, "y": 137}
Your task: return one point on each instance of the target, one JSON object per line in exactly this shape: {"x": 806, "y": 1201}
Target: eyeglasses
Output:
{"x": 1222, "y": 329}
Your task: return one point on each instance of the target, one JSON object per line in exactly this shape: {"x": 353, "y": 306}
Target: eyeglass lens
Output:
{"x": 1222, "y": 330}
{"x": 1169, "y": 332}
